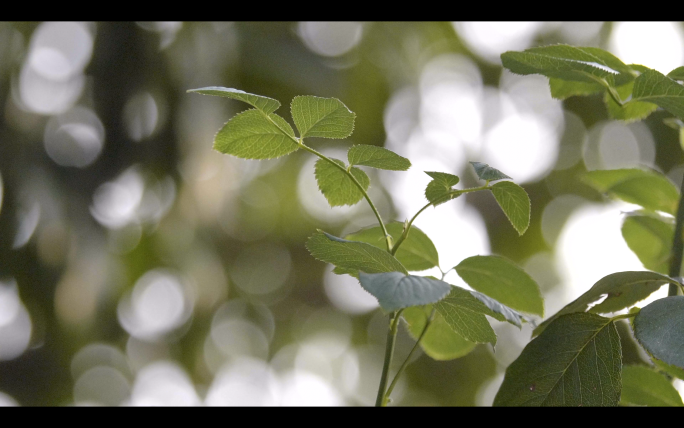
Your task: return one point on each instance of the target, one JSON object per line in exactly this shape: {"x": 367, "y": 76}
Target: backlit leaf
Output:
{"x": 659, "y": 328}
{"x": 439, "y": 190}
{"x": 562, "y": 89}
{"x": 337, "y": 187}
{"x": 644, "y": 386}
{"x": 395, "y": 290}
{"x": 515, "y": 203}
{"x": 465, "y": 315}
{"x": 251, "y": 135}
{"x": 377, "y": 157}
{"x": 416, "y": 253}
{"x": 486, "y": 172}
{"x": 440, "y": 341}
{"x": 502, "y": 280}
{"x": 630, "y": 111}
{"x": 265, "y": 104}
{"x": 352, "y": 256}
{"x": 656, "y": 88}
{"x": 322, "y": 117}
{"x": 622, "y": 290}
{"x": 576, "y": 361}
{"x": 650, "y": 238}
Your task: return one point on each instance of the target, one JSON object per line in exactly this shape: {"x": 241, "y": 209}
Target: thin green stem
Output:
{"x": 408, "y": 358}
{"x": 624, "y": 316}
{"x": 381, "y": 400}
{"x": 677, "y": 244}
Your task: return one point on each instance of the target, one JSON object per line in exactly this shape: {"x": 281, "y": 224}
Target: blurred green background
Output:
{"x": 140, "y": 267}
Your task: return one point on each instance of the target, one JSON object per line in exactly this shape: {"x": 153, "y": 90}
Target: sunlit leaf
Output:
{"x": 440, "y": 341}
{"x": 352, "y": 256}
{"x": 322, "y": 117}
{"x": 650, "y": 238}
{"x": 621, "y": 289}
{"x": 502, "y": 280}
{"x": 650, "y": 189}
{"x": 576, "y": 361}
{"x": 439, "y": 190}
{"x": 582, "y": 64}
{"x": 515, "y": 203}
{"x": 416, "y": 253}
{"x": 377, "y": 157}
{"x": 265, "y": 104}
{"x": 659, "y": 328}
{"x": 644, "y": 386}
{"x": 251, "y": 135}
{"x": 630, "y": 111}
{"x": 337, "y": 187}
{"x": 654, "y": 87}
{"x": 562, "y": 89}
{"x": 395, "y": 290}
{"x": 486, "y": 172}
{"x": 465, "y": 315}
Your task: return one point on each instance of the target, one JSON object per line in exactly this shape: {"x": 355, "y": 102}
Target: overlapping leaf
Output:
{"x": 439, "y": 190}
{"x": 630, "y": 111}
{"x": 465, "y": 315}
{"x": 440, "y": 341}
{"x": 582, "y": 64}
{"x": 562, "y": 89}
{"x": 395, "y": 290}
{"x": 351, "y": 256}
{"x": 251, "y": 135}
{"x": 677, "y": 73}
{"x": 377, "y": 157}
{"x": 500, "y": 311}
{"x": 644, "y": 386}
{"x": 650, "y": 189}
{"x": 416, "y": 253}
{"x": 502, "y": 280}
{"x": 659, "y": 328}
{"x": 654, "y": 87}
{"x": 265, "y": 104}
{"x": 576, "y": 361}
{"x": 622, "y": 290}
{"x": 322, "y": 117}
{"x": 515, "y": 203}
{"x": 486, "y": 172}
{"x": 650, "y": 238}
{"x": 337, "y": 187}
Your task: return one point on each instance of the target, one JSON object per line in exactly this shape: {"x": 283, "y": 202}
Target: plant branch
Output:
{"x": 408, "y": 358}
{"x": 677, "y": 244}
{"x": 381, "y": 400}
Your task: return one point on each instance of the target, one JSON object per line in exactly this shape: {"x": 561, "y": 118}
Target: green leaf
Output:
{"x": 654, "y": 87}
{"x": 377, "y": 157}
{"x": 562, "y": 89}
{"x": 671, "y": 370}
{"x": 502, "y": 280}
{"x": 622, "y": 290}
{"x": 650, "y": 238}
{"x": 581, "y": 64}
{"x": 395, "y": 290}
{"x": 439, "y": 190}
{"x": 251, "y": 135}
{"x": 576, "y": 361}
{"x": 486, "y": 172}
{"x": 322, "y": 117}
{"x": 502, "y": 312}
{"x": 352, "y": 256}
{"x": 630, "y": 111}
{"x": 265, "y": 104}
{"x": 677, "y": 73}
{"x": 337, "y": 187}
{"x": 440, "y": 341}
{"x": 659, "y": 328}
{"x": 416, "y": 253}
{"x": 465, "y": 315}
{"x": 515, "y": 203}
{"x": 650, "y": 189}
{"x": 644, "y": 386}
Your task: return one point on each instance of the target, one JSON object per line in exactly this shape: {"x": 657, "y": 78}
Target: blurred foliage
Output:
{"x": 73, "y": 272}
